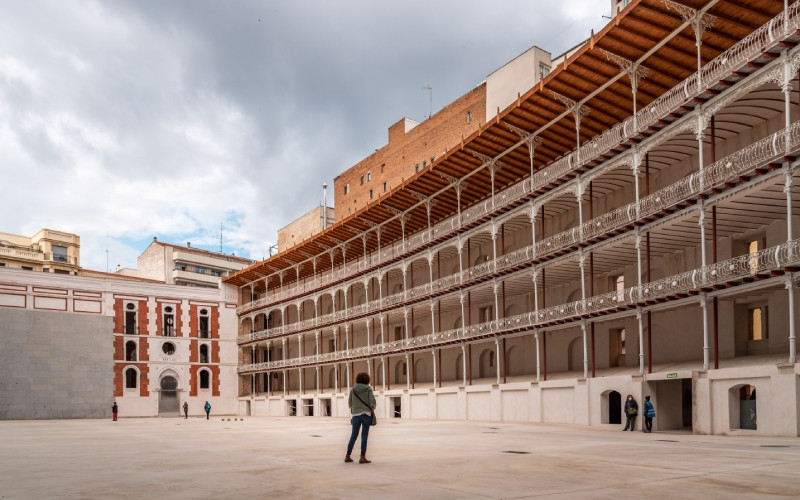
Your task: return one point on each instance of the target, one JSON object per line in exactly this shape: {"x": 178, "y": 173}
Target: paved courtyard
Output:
{"x": 303, "y": 458}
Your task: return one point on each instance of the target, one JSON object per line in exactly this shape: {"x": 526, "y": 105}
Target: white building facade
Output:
{"x": 653, "y": 252}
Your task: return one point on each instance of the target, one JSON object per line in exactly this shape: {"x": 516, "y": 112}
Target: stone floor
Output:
{"x": 294, "y": 457}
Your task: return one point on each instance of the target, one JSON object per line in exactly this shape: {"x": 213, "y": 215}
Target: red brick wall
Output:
{"x": 194, "y": 351}
{"x": 214, "y": 322}
{"x": 194, "y": 379}
{"x": 144, "y": 380}
{"x": 159, "y": 319}
{"x": 141, "y": 319}
{"x": 193, "y": 322}
{"x": 215, "y": 352}
{"x": 119, "y": 348}
{"x": 143, "y": 347}
{"x": 119, "y": 316}
{"x": 396, "y": 161}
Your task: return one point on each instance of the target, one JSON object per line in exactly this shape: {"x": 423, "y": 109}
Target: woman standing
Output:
{"x": 362, "y": 403}
{"x": 631, "y": 410}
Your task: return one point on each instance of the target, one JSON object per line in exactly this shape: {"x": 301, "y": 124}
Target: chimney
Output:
{"x": 188, "y": 244}
{"x": 155, "y": 239}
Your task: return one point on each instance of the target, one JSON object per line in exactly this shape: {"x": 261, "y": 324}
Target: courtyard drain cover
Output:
{"x": 667, "y": 440}
{"x": 518, "y": 452}
{"x": 774, "y": 445}
{"x": 315, "y": 436}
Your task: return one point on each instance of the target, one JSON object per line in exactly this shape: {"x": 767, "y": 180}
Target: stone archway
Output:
{"x": 168, "y": 404}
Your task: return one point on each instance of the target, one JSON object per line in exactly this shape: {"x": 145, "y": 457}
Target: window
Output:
{"x": 205, "y": 379}
{"x": 203, "y": 325}
{"x": 200, "y": 270}
{"x": 27, "y": 268}
{"x": 204, "y": 353}
{"x": 346, "y": 188}
{"x": 130, "y": 319}
{"x": 384, "y": 187}
{"x": 216, "y": 273}
{"x": 180, "y": 267}
{"x": 362, "y": 180}
{"x": 168, "y": 348}
{"x": 59, "y": 253}
{"x": 424, "y": 164}
{"x": 469, "y": 116}
{"x": 169, "y": 322}
{"x": 370, "y": 194}
{"x": 130, "y": 351}
{"x": 59, "y": 271}
{"x": 544, "y": 70}
{"x": 369, "y": 176}
{"x": 757, "y": 323}
{"x": 416, "y": 167}
{"x": 131, "y": 378}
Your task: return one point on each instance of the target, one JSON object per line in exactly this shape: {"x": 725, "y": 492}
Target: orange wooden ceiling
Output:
{"x": 635, "y": 32}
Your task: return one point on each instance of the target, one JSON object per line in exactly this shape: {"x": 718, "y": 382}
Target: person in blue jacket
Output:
{"x": 207, "y": 407}
{"x": 649, "y": 413}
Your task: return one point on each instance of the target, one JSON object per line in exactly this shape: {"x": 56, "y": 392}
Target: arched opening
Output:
{"x": 743, "y": 407}
{"x": 168, "y": 396}
{"x": 421, "y": 371}
{"x": 131, "y": 378}
{"x": 400, "y": 370}
{"x": 486, "y": 366}
{"x": 460, "y": 368}
{"x": 204, "y": 353}
{"x": 204, "y": 326}
{"x": 130, "y": 351}
{"x": 205, "y": 379}
{"x": 379, "y": 374}
{"x": 169, "y": 322}
{"x": 611, "y": 407}
{"x": 515, "y": 361}
{"x": 576, "y": 354}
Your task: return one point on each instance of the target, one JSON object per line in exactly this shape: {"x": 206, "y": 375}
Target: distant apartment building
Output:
{"x": 46, "y": 251}
{"x": 187, "y": 266}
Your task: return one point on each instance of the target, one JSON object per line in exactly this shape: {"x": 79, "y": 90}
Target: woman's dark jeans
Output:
{"x": 363, "y": 422}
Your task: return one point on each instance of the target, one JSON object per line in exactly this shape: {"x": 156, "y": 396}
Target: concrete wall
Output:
{"x": 514, "y": 79}
{"x": 55, "y": 365}
{"x": 302, "y": 228}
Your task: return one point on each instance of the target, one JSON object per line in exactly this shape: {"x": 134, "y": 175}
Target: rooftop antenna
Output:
{"x": 220, "y": 237}
{"x": 430, "y": 99}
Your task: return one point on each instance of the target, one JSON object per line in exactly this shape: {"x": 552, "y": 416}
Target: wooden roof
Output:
{"x": 590, "y": 77}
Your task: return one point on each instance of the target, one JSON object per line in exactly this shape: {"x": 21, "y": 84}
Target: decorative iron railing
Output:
{"x": 735, "y": 269}
{"x": 735, "y": 57}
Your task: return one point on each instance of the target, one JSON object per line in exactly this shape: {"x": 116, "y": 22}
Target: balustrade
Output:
{"x": 736, "y": 268}
{"x": 735, "y": 57}
{"x": 725, "y": 170}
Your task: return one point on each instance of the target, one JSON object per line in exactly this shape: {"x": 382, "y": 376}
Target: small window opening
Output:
{"x": 362, "y": 180}
{"x": 130, "y": 379}
{"x": 130, "y": 351}
{"x": 469, "y": 116}
{"x": 204, "y": 324}
{"x": 168, "y": 348}
{"x": 204, "y": 353}
{"x": 169, "y": 322}
{"x": 757, "y": 323}
{"x": 384, "y": 187}
{"x": 204, "y": 379}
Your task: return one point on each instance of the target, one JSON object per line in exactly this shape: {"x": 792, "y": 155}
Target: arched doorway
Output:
{"x": 614, "y": 407}
{"x": 744, "y": 414}
{"x": 168, "y": 397}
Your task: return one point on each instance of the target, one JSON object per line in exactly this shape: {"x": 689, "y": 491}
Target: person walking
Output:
{"x": 207, "y": 408}
{"x": 185, "y": 410}
{"x": 649, "y": 414}
{"x": 114, "y": 410}
{"x": 631, "y": 410}
{"x": 362, "y": 404}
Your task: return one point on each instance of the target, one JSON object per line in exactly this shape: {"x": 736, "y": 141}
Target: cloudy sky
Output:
{"x": 120, "y": 121}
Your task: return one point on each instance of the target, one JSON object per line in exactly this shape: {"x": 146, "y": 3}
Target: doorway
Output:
{"x": 168, "y": 397}
{"x": 396, "y": 406}
{"x": 614, "y": 407}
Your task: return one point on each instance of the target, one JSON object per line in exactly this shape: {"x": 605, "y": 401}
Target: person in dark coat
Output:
{"x": 185, "y": 410}
{"x": 114, "y": 410}
{"x": 362, "y": 403}
{"x": 631, "y": 410}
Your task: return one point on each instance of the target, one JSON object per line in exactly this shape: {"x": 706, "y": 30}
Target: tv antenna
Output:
{"x": 430, "y": 99}
{"x": 220, "y": 237}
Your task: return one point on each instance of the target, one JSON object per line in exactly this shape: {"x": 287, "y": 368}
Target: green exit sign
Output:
{"x": 672, "y": 375}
